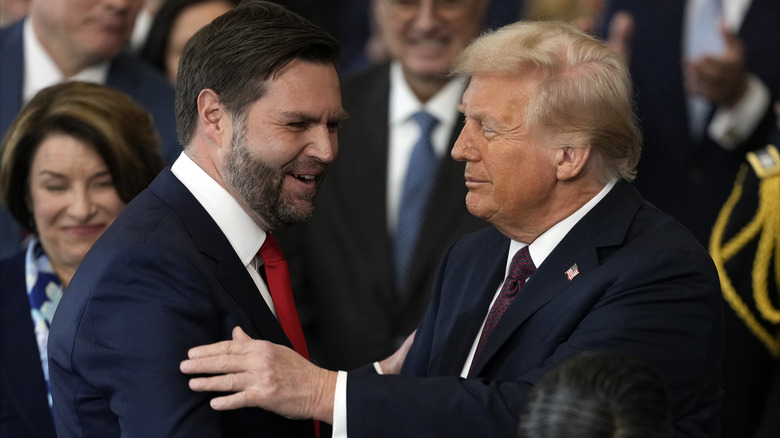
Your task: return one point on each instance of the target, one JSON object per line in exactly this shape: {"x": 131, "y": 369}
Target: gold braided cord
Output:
{"x": 769, "y": 210}
{"x": 746, "y": 234}
{"x": 722, "y": 253}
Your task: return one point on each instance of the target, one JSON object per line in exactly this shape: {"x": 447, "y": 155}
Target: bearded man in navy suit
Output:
{"x": 550, "y": 144}
{"x": 258, "y": 107}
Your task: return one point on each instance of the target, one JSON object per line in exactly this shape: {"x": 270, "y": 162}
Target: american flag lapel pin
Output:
{"x": 572, "y": 272}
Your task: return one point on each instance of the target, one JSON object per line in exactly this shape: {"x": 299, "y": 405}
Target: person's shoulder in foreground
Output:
{"x": 597, "y": 395}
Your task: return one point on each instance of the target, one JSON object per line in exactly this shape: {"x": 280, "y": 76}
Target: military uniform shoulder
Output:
{"x": 765, "y": 161}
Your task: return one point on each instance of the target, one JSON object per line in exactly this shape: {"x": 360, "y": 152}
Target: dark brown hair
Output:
{"x": 236, "y": 53}
{"x": 121, "y": 132}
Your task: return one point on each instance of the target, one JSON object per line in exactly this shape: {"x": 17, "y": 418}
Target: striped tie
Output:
{"x": 420, "y": 178}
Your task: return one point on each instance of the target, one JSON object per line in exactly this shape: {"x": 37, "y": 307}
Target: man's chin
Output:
{"x": 300, "y": 211}
{"x": 430, "y": 68}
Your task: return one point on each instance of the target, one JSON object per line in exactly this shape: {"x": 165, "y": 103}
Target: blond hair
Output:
{"x": 583, "y": 88}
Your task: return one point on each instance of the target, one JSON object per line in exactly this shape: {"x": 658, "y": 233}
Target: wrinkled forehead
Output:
{"x": 499, "y": 89}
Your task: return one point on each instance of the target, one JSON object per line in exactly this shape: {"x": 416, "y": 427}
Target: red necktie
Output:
{"x": 278, "y": 278}
{"x": 519, "y": 270}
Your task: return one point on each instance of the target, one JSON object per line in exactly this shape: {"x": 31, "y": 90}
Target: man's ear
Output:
{"x": 212, "y": 117}
{"x": 571, "y": 161}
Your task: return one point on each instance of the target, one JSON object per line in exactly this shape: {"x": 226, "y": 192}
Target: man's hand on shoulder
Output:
{"x": 262, "y": 374}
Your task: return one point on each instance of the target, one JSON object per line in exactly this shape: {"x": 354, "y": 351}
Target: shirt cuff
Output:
{"x": 731, "y": 126}
{"x": 378, "y": 368}
{"x": 340, "y": 406}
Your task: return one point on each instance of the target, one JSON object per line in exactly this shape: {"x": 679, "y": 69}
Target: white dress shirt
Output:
{"x": 403, "y": 131}
{"x": 40, "y": 71}
{"x": 244, "y": 235}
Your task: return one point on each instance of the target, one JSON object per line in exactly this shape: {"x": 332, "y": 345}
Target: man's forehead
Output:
{"x": 487, "y": 89}
{"x": 496, "y": 101}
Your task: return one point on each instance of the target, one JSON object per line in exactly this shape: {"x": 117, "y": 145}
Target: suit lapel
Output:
{"x": 546, "y": 283}
{"x": 258, "y": 320}
{"x": 605, "y": 225}
{"x": 239, "y": 285}
{"x": 120, "y": 81}
{"x": 474, "y": 283}
{"x": 123, "y": 75}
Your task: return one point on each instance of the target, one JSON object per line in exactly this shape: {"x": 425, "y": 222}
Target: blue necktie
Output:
{"x": 420, "y": 178}
{"x": 702, "y": 37}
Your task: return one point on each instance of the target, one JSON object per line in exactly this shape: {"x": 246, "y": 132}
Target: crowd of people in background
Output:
{"x": 91, "y": 112}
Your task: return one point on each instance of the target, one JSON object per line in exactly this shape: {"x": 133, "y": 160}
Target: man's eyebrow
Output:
{"x": 339, "y": 117}
{"x": 300, "y": 116}
{"x": 478, "y": 116}
{"x": 311, "y": 118}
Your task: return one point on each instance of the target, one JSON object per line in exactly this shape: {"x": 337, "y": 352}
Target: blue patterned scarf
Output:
{"x": 44, "y": 290}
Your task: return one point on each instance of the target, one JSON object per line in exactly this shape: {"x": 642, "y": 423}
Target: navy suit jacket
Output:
{"x": 341, "y": 260}
{"x": 686, "y": 178}
{"x": 645, "y": 288}
{"x": 140, "y": 81}
{"x": 162, "y": 279}
{"x": 24, "y": 405}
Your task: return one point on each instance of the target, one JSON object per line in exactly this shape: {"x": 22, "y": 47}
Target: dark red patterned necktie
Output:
{"x": 519, "y": 270}
{"x": 278, "y": 279}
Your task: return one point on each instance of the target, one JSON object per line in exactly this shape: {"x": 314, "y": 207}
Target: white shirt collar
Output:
{"x": 403, "y": 132}
{"x": 244, "y": 235}
{"x": 547, "y": 241}
{"x": 404, "y": 103}
{"x": 40, "y": 70}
